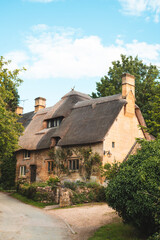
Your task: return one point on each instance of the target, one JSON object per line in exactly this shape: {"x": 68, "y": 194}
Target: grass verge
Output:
{"x": 116, "y": 231}
{"x": 30, "y": 201}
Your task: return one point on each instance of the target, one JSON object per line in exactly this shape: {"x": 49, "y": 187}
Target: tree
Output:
{"x": 154, "y": 111}
{"x": 10, "y": 129}
{"x": 9, "y": 82}
{"x": 146, "y": 80}
{"x": 134, "y": 192}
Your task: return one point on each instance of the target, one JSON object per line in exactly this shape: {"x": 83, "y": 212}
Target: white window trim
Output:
{"x": 22, "y": 171}
{"x": 27, "y": 154}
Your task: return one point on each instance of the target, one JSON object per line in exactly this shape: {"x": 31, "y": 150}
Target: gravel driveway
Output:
{"x": 85, "y": 220}
{"x": 19, "y": 221}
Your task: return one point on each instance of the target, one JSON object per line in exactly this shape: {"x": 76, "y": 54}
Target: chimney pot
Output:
{"x": 19, "y": 110}
{"x": 40, "y": 103}
{"x": 128, "y": 84}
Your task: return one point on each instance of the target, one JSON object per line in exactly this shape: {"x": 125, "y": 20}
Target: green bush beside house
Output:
{"x": 135, "y": 190}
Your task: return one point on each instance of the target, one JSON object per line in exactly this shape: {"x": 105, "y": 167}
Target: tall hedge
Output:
{"x": 135, "y": 192}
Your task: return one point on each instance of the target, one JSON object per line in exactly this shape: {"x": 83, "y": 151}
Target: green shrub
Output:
{"x": 80, "y": 184}
{"x": 8, "y": 171}
{"x": 78, "y": 198}
{"x": 155, "y": 236}
{"x": 135, "y": 193}
{"x": 40, "y": 197}
{"x": 31, "y": 192}
{"x": 53, "y": 181}
{"x": 88, "y": 192}
{"x": 111, "y": 170}
{"x": 39, "y": 184}
{"x": 92, "y": 185}
{"x": 70, "y": 185}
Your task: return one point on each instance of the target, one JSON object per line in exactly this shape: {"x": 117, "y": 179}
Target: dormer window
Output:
{"x": 55, "y": 122}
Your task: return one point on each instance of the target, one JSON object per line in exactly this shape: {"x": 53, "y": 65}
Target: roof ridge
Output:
{"x": 95, "y": 101}
{"x": 73, "y": 92}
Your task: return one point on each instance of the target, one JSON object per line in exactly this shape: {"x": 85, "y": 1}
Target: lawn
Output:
{"x": 116, "y": 231}
{"x": 30, "y": 201}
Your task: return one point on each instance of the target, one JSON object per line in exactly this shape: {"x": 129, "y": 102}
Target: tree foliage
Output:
{"x": 146, "y": 81}
{"x": 9, "y": 82}
{"x": 10, "y": 129}
{"x": 135, "y": 191}
{"x": 153, "y": 122}
{"x": 110, "y": 171}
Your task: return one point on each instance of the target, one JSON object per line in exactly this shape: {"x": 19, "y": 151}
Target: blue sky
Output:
{"x": 66, "y": 43}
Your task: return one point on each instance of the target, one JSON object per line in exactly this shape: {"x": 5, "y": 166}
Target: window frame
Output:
{"x": 50, "y": 166}
{"x": 27, "y": 154}
{"x": 54, "y": 122}
{"x": 73, "y": 164}
{"x": 22, "y": 171}
{"x": 113, "y": 145}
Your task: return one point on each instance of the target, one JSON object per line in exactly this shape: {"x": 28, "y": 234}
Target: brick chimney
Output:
{"x": 128, "y": 92}
{"x": 128, "y": 83}
{"x": 19, "y": 110}
{"x": 40, "y": 103}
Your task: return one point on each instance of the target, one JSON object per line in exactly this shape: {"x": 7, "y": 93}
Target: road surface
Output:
{"x": 19, "y": 221}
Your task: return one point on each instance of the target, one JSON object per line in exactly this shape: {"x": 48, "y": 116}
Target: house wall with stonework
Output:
{"x": 40, "y": 159}
{"x": 123, "y": 134}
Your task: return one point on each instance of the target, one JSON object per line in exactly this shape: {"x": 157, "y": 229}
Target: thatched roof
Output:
{"x": 85, "y": 121}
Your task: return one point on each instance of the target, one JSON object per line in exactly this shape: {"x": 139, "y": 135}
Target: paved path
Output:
{"x": 19, "y": 221}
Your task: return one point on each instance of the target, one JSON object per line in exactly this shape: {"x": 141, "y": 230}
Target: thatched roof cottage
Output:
{"x": 109, "y": 125}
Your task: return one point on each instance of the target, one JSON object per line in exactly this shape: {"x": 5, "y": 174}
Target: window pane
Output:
{"x": 23, "y": 170}
{"x": 77, "y": 164}
{"x": 74, "y": 165}
{"x": 49, "y": 123}
{"x": 52, "y": 123}
{"x": 24, "y": 167}
{"x": 48, "y": 166}
{"x": 52, "y": 166}
{"x": 26, "y": 154}
{"x": 70, "y": 165}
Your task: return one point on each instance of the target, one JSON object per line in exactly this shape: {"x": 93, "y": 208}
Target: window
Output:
{"x": 26, "y": 154}
{"x": 73, "y": 164}
{"x": 55, "y": 122}
{"x": 50, "y": 166}
{"x": 22, "y": 170}
{"x": 113, "y": 144}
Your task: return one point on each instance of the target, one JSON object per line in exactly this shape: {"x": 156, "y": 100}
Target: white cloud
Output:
{"x": 148, "y": 52}
{"x": 66, "y": 55}
{"x": 119, "y": 41}
{"x": 18, "y": 59}
{"x": 138, "y": 7}
{"x": 40, "y": 27}
{"x": 133, "y": 7}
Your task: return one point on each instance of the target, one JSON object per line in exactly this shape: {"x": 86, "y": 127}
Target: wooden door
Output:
{"x": 33, "y": 173}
